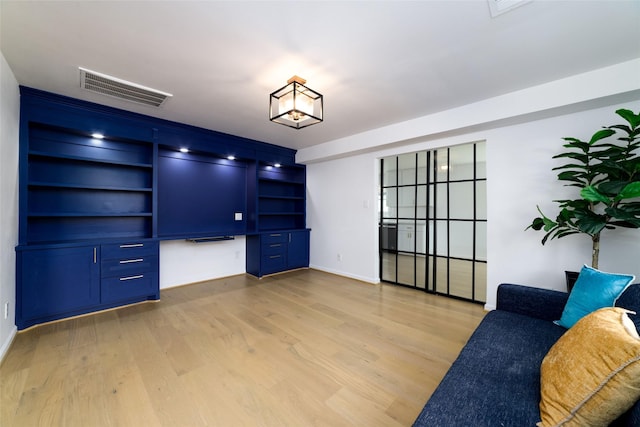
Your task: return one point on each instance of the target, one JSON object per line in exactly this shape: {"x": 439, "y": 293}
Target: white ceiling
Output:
{"x": 376, "y": 63}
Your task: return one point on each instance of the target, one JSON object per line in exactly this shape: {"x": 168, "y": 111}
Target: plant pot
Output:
{"x": 570, "y": 278}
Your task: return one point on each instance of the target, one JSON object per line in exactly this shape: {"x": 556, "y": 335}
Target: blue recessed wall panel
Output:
{"x": 201, "y": 196}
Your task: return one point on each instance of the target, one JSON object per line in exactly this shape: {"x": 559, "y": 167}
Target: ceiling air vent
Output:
{"x": 498, "y": 7}
{"x": 122, "y": 89}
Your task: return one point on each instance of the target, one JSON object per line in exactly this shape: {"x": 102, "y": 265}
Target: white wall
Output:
{"x": 9, "y": 125}
{"x": 183, "y": 262}
{"x": 342, "y": 215}
{"x": 519, "y": 178}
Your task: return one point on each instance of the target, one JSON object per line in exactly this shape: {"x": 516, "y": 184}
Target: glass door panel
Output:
{"x": 433, "y": 221}
{"x": 480, "y": 283}
{"x": 461, "y": 165}
{"x": 407, "y": 169}
{"x": 460, "y": 277}
{"x": 461, "y": 239}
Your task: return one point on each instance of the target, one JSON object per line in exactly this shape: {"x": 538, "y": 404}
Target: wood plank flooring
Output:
{"x": 304, "y": 348}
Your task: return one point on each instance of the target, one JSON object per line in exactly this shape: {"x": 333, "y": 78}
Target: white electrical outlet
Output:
{"x": 339, "y": 257}
{"x": 6, "y": 310}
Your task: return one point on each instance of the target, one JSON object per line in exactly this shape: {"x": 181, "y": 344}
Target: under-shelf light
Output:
{"x": 184, "y": 150}
{"x": 231, "y": 157}
{"x": 277, "y": 165}
{"x": 97, "y": 135}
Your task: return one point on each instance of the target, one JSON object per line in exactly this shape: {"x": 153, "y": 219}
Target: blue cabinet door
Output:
{"x": 56, "y": 283}
{"x": 298, "y": 249}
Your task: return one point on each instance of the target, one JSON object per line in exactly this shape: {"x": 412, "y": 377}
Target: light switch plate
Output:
{"x": 238, "y": 216}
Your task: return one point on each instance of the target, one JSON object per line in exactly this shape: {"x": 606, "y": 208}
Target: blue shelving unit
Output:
{"x": 92, "y": 211}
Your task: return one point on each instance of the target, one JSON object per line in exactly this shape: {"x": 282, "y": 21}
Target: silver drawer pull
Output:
{"x": 275, "y": 256}
{"x": 139, "y": 276}
{"x": 129, "y": 261}
{"x": 275, "y": 245}
{"x": 275, "y": 235}
{"x": 133, "y": 245}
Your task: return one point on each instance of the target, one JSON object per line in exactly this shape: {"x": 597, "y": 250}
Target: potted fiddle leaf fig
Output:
{"x": 606, "y": 173}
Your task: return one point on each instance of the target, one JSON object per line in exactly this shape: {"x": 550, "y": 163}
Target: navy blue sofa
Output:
{"x": 495, "y": 381}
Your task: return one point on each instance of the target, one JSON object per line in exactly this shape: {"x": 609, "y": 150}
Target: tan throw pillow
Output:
{"x": 591, "y": 376}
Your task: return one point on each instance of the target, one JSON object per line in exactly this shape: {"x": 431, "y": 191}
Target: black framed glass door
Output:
{"x": 432, "y": 221}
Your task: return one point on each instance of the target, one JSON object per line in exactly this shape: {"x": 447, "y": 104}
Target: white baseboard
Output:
{"x": 7, "y": 343}
{"x": 373, "y": 280}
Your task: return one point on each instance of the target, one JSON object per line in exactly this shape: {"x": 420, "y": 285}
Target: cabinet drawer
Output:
{"x": 126, "y": 287}
{"x": 274, "y": 248}
{"x": 129, "y": 250}
{"x": 274, "y": 238}
{"x": 129, "y": 266}
{"x": 273, "y": 263}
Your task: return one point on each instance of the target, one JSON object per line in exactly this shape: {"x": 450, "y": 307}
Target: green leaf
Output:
{"x": 630, "y": 191}
{"x": 623, "y": 128}
{"x": 618, "y": 214}
{"x": 581, "y": 157}
{"x": 626, "y": 224}
{"x": 611, "y": 188}
{"x": 629, "y": 210}
{"x": 575, "y": 142}
{"x": 592, "y": 195}
{"x": 566, "y": 233}
{"x": 591, "y": 226}
{"x": 601, "y": 134}
{"x": 566, "y": 215}
{"x": 572, "y": 176}
{"x": 536, "y": 224}
{"x": 629, "y": 116}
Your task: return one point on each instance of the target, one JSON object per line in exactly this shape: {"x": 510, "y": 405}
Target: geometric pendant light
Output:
{"x": 295, "y": 105}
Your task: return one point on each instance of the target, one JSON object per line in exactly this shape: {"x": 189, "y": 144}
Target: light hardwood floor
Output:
{"x": 298, "y": 349}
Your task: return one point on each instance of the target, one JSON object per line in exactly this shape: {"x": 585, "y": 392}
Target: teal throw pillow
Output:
{"x": 593, "y": 290}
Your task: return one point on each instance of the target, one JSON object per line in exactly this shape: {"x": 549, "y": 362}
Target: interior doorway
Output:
{"x": 433, "y": 221}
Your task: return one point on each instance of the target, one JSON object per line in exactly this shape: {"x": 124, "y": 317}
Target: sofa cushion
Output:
{"x": 591, "y": 376}
{"x": 495, "y": 380}
{"x": 630, "y": 299}
{"x": 594, "y": 289}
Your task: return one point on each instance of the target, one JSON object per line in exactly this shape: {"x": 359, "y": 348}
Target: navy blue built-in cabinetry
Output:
{"x": 67, "y": 280}
{"x": 282, "y": 242}
{"x": 52, "y": 281}
{"x": 276, "y": 251}
{"x": 81, "y": 188}
{"x": 93, "y": 209}
{"x": 129, "y": 270}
